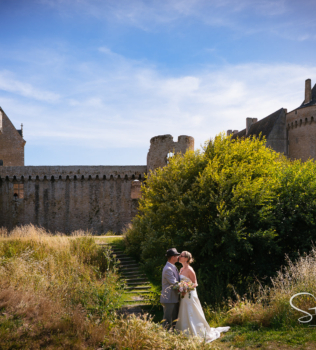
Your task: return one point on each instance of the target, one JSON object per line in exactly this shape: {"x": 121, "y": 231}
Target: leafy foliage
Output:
{"x": 238, "y": 207}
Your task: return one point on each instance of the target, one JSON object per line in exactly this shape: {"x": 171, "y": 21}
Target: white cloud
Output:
{"x": 124, "y": 104}
{"x": 9, "y": 83}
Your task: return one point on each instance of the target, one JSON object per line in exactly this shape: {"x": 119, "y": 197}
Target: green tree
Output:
{"x": 237, "y": 207}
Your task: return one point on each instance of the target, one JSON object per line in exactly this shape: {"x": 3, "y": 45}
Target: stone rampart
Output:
{"x": 301, "y": 128}
{"x": 69, "y": 198}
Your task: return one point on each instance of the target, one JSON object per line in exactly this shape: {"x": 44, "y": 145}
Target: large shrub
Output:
{"x": 238, "y": 207}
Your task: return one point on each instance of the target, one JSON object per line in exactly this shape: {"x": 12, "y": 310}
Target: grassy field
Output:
{"x": 113, "y": 240}
{"x": 63, "y": 292}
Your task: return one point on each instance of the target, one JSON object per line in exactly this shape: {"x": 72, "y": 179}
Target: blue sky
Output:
{"x": 93, "y": 80}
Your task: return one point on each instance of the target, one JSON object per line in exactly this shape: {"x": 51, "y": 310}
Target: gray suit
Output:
{"x": 169, "y": 297}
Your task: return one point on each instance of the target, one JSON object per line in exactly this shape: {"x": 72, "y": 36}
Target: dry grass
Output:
{"x": 59, "y": 267}
{"x": 54, "y": 289}
{"x": 272, "y": 307}
{"x": 34, "y": 322}
{"x": 141, "y": 333}
{"x": 60, "y": 292}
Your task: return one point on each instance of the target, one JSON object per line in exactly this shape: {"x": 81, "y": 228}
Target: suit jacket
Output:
{"x": 170, "y": 276}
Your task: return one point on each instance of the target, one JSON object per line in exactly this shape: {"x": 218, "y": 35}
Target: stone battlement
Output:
{"x": 73, "y": 172}
{"x": 300, "y": 122}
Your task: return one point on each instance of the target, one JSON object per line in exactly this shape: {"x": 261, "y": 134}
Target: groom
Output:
{"x": 169, "y": 297}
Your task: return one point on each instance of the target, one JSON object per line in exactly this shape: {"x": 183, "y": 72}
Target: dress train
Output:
{"x": 191, "y": 318}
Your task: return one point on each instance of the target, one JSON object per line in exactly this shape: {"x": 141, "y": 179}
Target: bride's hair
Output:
{"x": 188, "y": 255}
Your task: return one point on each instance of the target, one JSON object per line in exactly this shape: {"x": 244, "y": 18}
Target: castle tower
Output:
{"x": 11, "y": 143}
{"x": 301, "y": 126}
{"x": 163, "y": 146}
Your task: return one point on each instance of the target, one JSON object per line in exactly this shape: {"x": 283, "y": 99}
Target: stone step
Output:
{"x": 119, "y": 257}
{"x": 133, "y": 270}
{"x": 135, "y": 301}
{"x": 132, "y": 275}
{"x": 137, "y": 283}
{"x": 126, "y": 262}
{"x": 136, "y": 304}
{"x": 137, "y": 292}
{"x": 135, "y": 277}
{"x": 129, "y": 267}
{"x": 138, "y": 288}
{"x": 136, "y": 280}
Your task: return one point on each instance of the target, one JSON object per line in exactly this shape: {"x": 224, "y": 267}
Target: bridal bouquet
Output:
{"x": 184, "y": 287}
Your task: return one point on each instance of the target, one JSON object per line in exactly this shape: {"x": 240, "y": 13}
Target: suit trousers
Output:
{"x": 170, "y": 314}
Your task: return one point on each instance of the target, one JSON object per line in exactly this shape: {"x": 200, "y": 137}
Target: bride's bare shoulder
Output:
{"x": 191, "y": 269}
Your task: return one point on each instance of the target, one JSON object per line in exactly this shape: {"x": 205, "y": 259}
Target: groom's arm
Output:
{"x": 170, "y": 277}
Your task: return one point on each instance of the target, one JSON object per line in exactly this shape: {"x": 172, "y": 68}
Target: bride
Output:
{"x": 191, "y": 319}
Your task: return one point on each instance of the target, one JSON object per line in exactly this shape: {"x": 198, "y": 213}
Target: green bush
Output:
{"x": 238, "y": 207}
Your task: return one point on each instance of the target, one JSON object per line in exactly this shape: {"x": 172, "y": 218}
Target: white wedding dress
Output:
{"x": 191, "y": 319}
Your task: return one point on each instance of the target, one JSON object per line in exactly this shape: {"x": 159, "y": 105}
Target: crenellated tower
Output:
{"x": 301, "y": 126}
{"x": 163, "y": 146}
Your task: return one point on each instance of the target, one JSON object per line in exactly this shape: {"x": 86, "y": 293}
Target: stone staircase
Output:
{"x": 137, "y": 284}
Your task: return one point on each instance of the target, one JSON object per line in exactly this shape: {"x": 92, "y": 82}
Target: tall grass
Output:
{"x": 52, "y": 285}
{"x": 271, "y": 307}
{"x": 61, "y": 292}
{"x": 71, "y": 270}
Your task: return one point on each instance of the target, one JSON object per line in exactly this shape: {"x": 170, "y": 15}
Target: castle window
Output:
{"x": 1, "y": 162}
{"x": 169, "y": 156}
{"x": 18, "y": 190}
{"x": 136, "y": 189}
{"x": 295, "y": 112}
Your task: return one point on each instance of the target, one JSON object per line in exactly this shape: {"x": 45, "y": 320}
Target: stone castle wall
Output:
{"x": 64, "y": 199}
{"x": 277, "y": 139}
{"x": 11, "y": 143}
{"x": 301, "y": 128}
